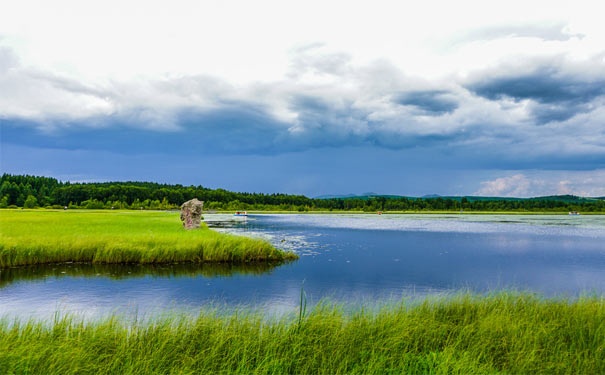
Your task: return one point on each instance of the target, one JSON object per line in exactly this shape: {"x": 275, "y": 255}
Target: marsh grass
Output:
{"x": 502, "y": 333}
{"x": 40, "y": 236}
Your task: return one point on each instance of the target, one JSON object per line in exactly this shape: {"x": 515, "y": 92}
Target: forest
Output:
{"x": 35, "y": 191}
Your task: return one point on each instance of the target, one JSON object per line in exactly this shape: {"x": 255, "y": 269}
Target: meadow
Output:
{"x": 465, "y": 334}
{"x": 46, "y": 236}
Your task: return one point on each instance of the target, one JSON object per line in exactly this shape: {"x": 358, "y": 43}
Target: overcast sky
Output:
{"x": 311, "y": 97}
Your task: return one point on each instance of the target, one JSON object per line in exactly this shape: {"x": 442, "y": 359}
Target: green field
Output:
{"x": 44, "y": 236}
{"x": 503, "y": 333}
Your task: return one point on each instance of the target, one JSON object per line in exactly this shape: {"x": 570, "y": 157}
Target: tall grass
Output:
{"x": 504, "y": 333}
{"x": 36, "y": 237}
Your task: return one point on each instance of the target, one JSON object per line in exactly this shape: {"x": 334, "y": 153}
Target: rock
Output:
{"x": 191, "y": 214}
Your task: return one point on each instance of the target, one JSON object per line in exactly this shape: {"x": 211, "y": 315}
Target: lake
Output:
{"x": 350, "y": 258}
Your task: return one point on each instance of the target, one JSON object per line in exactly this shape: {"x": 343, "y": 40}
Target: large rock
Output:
{"x": 191, "y": 213}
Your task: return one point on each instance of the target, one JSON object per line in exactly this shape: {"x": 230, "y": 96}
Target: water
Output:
{"x": 349, "y": 258}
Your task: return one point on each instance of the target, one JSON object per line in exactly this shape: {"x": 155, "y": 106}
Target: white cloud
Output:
{"x": 243, "y": 44}
{"x": 580, "y": 183}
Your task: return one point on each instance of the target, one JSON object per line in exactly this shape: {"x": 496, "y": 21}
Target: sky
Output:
{"x": 308, "y": 97}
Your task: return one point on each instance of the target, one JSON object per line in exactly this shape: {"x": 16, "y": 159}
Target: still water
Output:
{"x": 348, "y": 258}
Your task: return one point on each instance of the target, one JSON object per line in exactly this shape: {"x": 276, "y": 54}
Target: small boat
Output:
{"x": 379, "y": 212}
{"x": 574, "y": 213}
{"x": 240, "y": 213}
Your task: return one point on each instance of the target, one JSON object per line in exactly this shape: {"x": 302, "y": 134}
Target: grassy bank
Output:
{"x": 43, "y": 236}
{"x": 504, "y": 333}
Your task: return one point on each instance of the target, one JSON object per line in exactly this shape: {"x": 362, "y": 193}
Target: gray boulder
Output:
{"x": 191, "y": 214}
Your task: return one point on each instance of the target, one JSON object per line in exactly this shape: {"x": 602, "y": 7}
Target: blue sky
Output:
{"x": 308, "y": 97}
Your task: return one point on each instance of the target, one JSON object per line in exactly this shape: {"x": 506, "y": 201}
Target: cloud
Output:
{"x": 555, "y": 92}
{"x": 41, "y": 95}
{"x": 316, "y": 58}
{"x": 513, "y": 186}
{"x": 431, "y": 102}
{"x": 580, "y": 183}
{"x": 8, "y": 59}
{"x": 546, "y": 84}
{"x": 555, "y": 31}
{"x": 326, "y": 98}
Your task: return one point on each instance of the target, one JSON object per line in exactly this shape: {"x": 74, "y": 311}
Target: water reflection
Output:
{"x": 126, "y": 271}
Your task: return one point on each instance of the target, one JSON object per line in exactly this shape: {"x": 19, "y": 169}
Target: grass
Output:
{"x": 502, "y": 333}
{"x": 41, "y": 236}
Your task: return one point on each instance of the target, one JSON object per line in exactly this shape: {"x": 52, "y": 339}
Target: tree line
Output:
{"x": 35, "y": 191}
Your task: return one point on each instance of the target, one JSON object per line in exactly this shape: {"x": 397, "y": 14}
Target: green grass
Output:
{"x": 42, "y": 236}
{"x": 503, "y": 333}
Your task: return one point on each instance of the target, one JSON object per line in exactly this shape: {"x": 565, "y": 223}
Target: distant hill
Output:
{"x": 336, "y": 196}
{"x": 362, "y": 197}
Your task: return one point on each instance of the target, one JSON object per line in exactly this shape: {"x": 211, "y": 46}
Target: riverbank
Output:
{"x": 503, "y": 333}
{"x": 47, "y": 236}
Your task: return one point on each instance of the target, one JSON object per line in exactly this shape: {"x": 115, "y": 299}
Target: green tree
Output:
{"x": 30, "y": 202}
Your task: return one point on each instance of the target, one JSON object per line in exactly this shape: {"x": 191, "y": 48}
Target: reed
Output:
{"x": 502, "y": 333}
{"x": 40, "y": 236}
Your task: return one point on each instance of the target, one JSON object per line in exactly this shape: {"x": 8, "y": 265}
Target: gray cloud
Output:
{"x": 544, "y": 85}
{"x": 557, "y": 93}
{"x": 379, "y": 106}
{"x": 431, "y": 102}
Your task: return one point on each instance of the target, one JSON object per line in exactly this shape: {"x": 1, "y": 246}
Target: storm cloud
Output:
{"x": 554, "y": 93}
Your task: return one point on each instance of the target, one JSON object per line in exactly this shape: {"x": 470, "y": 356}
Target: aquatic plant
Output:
{"x": 502, "y": 333}
{"x": 41, "y": 236}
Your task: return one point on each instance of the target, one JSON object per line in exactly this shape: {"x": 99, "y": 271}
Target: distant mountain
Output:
{"x": 351, "y": 196}
{"x": 336, "y": 196}
{"x": 364, "y": 196}
{"x": 431, "y": 196}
